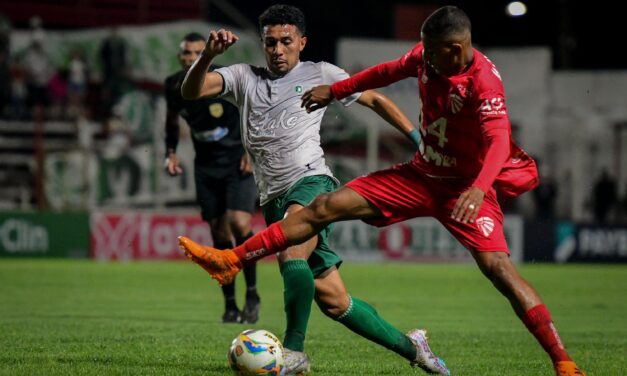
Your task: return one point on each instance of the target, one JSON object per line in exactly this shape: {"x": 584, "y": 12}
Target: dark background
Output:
{"x": 582, "y": 34}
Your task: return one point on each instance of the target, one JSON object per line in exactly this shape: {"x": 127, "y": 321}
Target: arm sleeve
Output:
{"x": 233, "y": 77}
{"x": 380, "y": 75}
{"x": 331, "y": 74}
{"x": 171, "y": 135}
{"x": 171, "y": 126}
{"x": 496, "y": 133}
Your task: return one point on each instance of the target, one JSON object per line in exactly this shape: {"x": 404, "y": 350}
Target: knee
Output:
{"x": 499, "y": 270}
{"x": 240, "y": 225}
{"x": 335, "y": 306}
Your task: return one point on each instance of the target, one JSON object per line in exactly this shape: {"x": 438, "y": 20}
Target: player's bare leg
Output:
{"x": 343, "y": 204}
{"x": 363, "y": 319}
{"x": 528, "y": 305}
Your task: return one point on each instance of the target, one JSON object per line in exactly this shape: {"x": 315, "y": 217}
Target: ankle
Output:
{"x": 251, "y": 295}
{"x": 234, "y": 258}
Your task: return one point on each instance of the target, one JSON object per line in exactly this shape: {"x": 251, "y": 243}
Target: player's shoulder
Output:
{"x": 312, "y": 66}
{"x": 323, "y": 66}
{"x": 486, "y": 75}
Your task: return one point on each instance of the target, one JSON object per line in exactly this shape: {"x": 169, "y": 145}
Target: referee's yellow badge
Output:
{"x": 216, "y": 110}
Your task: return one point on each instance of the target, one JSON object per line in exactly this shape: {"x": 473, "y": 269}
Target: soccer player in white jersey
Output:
{"x": 283, "y": 141}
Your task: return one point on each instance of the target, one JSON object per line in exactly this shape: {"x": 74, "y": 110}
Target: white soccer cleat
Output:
{"x": 425, "y": 358}
{"x": 296, "y": 363}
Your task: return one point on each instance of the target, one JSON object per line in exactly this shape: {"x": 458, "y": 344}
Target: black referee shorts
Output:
{"x": 219, "y": 189}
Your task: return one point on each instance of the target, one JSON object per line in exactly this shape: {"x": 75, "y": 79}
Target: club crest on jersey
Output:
{"x": 485, "y": 225}
{"x": 456, "y": 102}
{"x": 298, "y": 89}
{"x": 424, "y": 78}
{"x": 216, "y": 110}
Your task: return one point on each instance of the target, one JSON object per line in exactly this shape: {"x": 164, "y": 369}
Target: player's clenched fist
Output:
{"x": 219, "y": 41}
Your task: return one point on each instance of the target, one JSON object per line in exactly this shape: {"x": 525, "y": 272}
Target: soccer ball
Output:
{"x": 256, "y": 352}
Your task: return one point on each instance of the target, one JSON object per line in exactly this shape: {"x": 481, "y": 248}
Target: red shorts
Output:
{"x": 403, "y": 192}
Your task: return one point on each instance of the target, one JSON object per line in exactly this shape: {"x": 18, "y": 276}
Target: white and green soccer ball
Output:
{"x": 256, "y": 352}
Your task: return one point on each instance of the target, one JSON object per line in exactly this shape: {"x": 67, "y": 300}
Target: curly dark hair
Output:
{"x": 446, "y": 21}
{"x": 281, "y": 14}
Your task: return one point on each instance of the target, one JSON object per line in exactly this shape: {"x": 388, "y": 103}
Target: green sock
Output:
{"x": 298, "y": 285}
{"x": 363, "y": 319}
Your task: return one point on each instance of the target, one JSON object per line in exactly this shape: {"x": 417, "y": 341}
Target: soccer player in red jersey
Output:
{"x": 465, "y": 153}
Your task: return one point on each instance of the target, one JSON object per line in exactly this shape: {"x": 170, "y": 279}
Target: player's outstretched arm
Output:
{"x": 199, "y": 83}
{"x": 390, "y": 112}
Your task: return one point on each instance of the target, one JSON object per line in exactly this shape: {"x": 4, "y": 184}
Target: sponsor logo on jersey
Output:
{"x": 298, "y": 89}
{"x": 456, "y": 103}
{"x": 216, "y": 110}
{"x": 262, "y": 124}
{"x": 493, "y": 106}
{"x": 485, "y": 225}
{"x": 211, "y": 135}
{"x": 463, "y": 90}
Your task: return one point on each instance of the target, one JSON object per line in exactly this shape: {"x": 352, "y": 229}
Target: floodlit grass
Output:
{"x": 61, "y": 317}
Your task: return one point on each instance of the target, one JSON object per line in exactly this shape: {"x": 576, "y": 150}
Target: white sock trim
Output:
{"x": 348, "y": 310}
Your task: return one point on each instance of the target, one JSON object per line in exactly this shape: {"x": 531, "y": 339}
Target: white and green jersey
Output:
{"x": 282, "y": 139}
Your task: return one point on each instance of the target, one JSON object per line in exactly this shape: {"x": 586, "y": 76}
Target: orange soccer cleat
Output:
{"x": 568, "y": 368}
{"x": 222, "y": 265}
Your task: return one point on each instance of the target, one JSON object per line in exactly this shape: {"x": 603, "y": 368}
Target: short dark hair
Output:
{"x": 194, "y": 37}
{"x": 446, "y": 22}
{"x": 281, "y": 14}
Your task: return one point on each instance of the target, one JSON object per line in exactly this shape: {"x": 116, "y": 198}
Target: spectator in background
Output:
{"x": 19, "y": 94}
{"x": 545, "y": 195}
{"x": 39, "y": 70}
{"x": 113, "y": 53}
{"x": 605, "y": 196}
{"x": 57, "y": 94}
{"x": 623, "y": 207}
{"x": 77, "y": 84}
{"x": 5, "y": 76}
{"x": 37, "y": 29}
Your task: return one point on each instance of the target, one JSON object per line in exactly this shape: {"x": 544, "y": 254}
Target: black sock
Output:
{"x": 250, "y": 274}
{"x": 227, "y": 290}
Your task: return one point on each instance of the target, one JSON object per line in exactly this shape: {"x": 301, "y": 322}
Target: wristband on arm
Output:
{"x": 414, "y": 136}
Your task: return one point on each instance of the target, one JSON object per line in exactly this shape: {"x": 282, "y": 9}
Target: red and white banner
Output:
{"x": 137, "y": 235}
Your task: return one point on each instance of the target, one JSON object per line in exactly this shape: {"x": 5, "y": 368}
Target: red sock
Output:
{"x": 266, "y": 242}
{"x": 538, "y": 321}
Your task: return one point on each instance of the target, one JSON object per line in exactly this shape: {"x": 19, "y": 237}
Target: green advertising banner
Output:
{"x": 44, "y": 234}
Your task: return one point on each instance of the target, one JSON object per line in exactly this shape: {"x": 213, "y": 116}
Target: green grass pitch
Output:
{"x": 63, "y": 317}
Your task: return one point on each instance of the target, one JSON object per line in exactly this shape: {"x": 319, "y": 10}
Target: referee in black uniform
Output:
{"x": 225, "y": 187}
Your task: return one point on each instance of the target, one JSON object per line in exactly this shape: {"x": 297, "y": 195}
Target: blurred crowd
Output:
{"x": 67, "y": 91}
{"x": 74, "y": 89}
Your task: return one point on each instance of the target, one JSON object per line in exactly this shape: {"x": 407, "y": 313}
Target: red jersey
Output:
{"x": 463, "y": 119}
